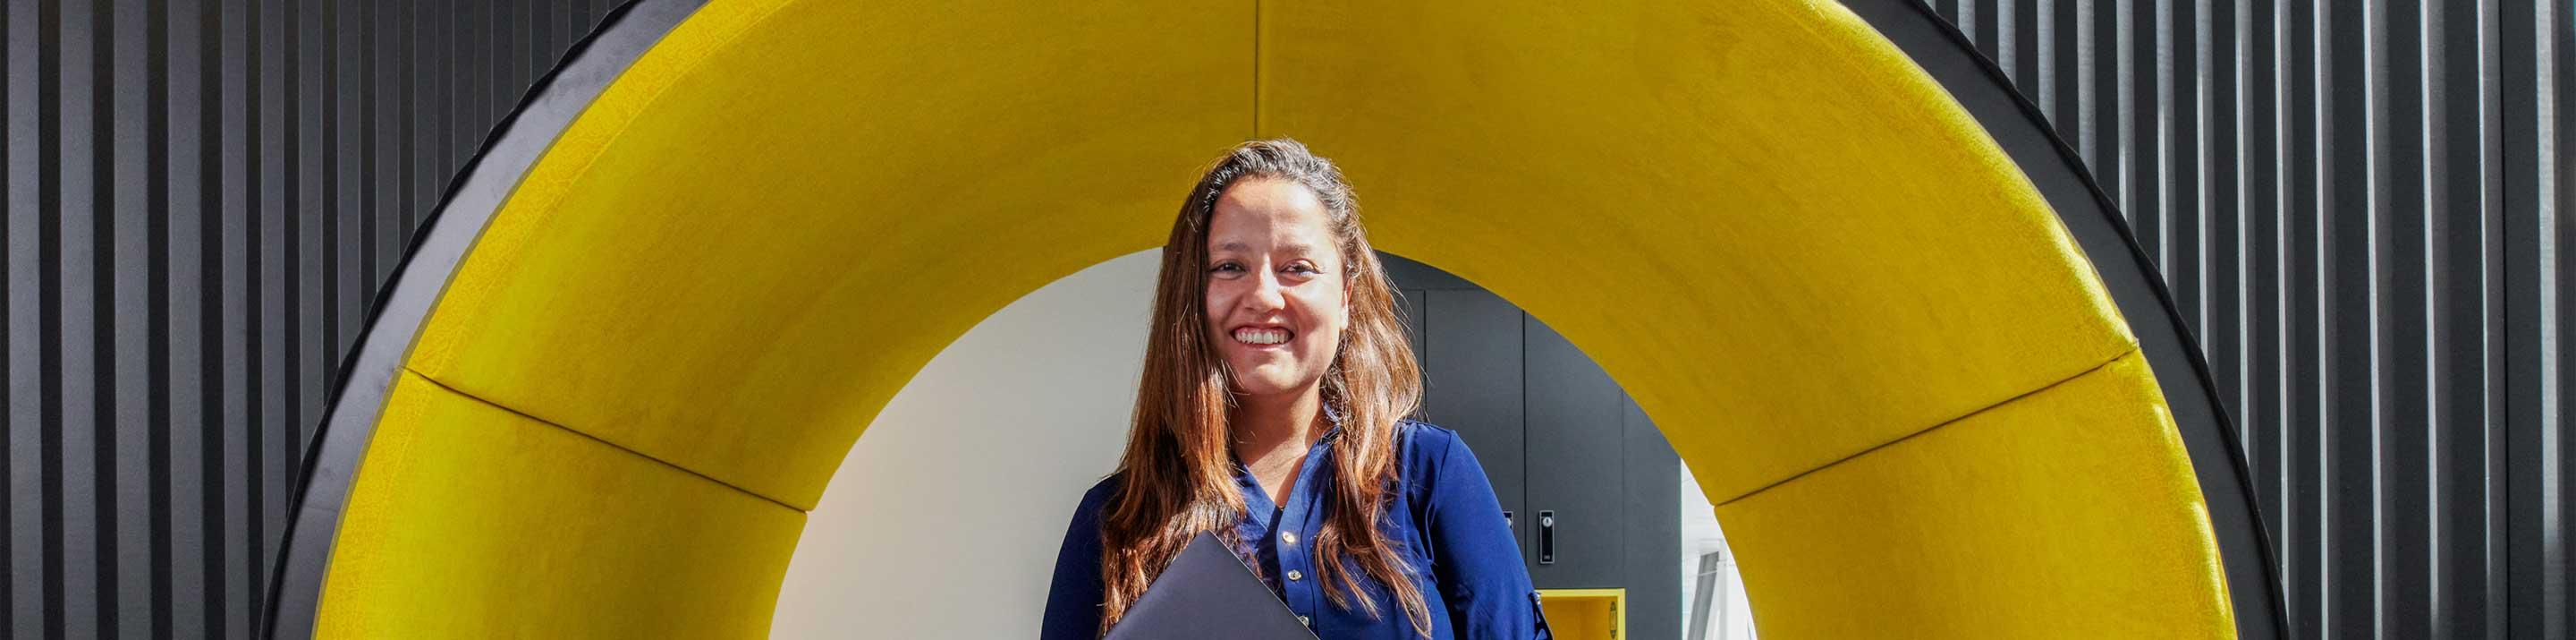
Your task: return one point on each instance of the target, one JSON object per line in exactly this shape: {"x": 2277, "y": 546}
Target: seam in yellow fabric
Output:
{"x": 1909, "y": 436}
{"x": 612, "y": 445}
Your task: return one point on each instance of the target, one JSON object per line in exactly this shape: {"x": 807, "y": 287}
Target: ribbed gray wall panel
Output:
{"x": 203, "y": 199}
{"x": 2358, "y": 208}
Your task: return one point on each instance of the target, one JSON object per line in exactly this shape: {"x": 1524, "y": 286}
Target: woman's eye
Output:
{"x": 1304, "y": 269}
{"x": 1225, "y": 267}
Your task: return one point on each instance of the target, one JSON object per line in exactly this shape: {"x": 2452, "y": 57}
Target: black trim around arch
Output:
{"x": 368, "y": 373}
{"x": 2135, "y": 285}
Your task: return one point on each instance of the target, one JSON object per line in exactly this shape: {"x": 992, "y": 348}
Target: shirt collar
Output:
{"x": 1244, "y": 472}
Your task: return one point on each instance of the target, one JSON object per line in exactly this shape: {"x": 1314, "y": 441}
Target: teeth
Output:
{"x": 1261, "y": 336}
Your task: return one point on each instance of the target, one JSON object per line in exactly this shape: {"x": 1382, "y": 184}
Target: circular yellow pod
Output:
{"x": 1860, "y": 324}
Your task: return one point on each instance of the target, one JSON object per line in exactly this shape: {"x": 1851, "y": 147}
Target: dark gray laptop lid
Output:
{"x": 1208, "y": 593}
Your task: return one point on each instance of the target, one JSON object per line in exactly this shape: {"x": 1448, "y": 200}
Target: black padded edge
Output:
{"x": 2208, "y": 434}
{"x": 367, "y": 375}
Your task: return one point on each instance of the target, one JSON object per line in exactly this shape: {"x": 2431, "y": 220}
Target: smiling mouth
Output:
{"x": 1262, "y": 338}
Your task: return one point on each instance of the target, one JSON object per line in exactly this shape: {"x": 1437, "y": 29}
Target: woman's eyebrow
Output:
{"x": 1293, "y": 248}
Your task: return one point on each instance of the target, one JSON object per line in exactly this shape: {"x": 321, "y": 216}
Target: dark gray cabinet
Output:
{"x": 1476, "y": 388}
{"x": 1592, "y": 487}
{"x": 1573, "y": 465}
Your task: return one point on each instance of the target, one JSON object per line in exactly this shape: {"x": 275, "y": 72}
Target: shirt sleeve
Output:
{"x": 1474, "y": 556}
{"x": 1073, "y": 600}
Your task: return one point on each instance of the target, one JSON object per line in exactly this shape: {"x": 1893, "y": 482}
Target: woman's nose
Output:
{"x": 1267, "y": 294}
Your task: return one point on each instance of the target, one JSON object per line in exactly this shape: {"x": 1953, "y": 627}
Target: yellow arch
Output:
{"x": 1851, "y": 315}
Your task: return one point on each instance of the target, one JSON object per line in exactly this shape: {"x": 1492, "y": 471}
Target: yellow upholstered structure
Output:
{"x": 509, "y": 527}
{"x": 1847, "y": 309}
{"x": 2022, "y": 521}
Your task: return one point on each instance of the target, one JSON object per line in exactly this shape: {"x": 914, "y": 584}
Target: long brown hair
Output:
{"x": 1177, "y": 477}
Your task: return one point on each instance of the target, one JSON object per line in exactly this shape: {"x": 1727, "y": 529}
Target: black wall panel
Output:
{"x": 203, "y": 199}
{"x": 2359, "y": 208}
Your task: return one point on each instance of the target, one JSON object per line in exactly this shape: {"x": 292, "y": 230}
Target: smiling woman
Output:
{"x": 1272, "y": 413}
{"x": 1279, "y": 301}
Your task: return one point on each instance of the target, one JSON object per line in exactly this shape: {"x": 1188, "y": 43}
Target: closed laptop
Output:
{"x": 1208, "y": 593}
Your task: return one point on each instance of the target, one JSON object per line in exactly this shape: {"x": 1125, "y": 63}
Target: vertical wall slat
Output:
{"x": 541, "y": 40}
{"x": 2065, "y": 74}
{"x": 2306, "y": 545}
{"x": 2461, "y": 269}
{"x": 467, "y": 45}
{"x": 28, "y": 281}
{"x": 231, "y": 173}
{"x": 87, "y": 421}
{"x": 299, "y": 268}
{"x": 349, "y": 217}
{"x": 509, "y": 43}
{"x": 2149, "y": 120}
{"x": 336, "y": 245}
{"x": 179, "y": 576}
{"x": 2031, "y": 51}
{"x": 2183, "y": 224}
{"x": 1977, "y": 16}
{"x": 2491, "y": 520}
{"x": 2352, "y": 573}
{"x": 271, "y": 173}
{"x": 403, "y": 77}
{"x": 2400, "y": 251}
{"x": 124, "y": 98}
{"x": 50, "y": 347}
{"x": 2558, "y": 121}
{"x": 2541, "y": 451}
{"x": 2110, "y": 100}
{"x": 2223, "y": 251}
{"x": 2264, "y": 27}
{"x": 582, "y": 15}
{"x": 304, "y": 205}
{"x": 374, "y": 173}
{"x": 10, "y": 287}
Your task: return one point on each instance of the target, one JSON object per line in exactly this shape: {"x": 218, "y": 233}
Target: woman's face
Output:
{"x": 1274, "y": 294}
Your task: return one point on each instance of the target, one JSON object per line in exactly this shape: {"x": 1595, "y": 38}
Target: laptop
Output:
{"x": 1208, "y": 593}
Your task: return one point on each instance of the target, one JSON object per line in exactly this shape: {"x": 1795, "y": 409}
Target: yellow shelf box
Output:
{"x": 1586, "y": 614}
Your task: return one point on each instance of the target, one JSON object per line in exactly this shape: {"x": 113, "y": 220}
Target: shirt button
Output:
{"x": 1293, "y": 574}
{"x": 1289, "y": 537}
{"x": 1302, "y": 620}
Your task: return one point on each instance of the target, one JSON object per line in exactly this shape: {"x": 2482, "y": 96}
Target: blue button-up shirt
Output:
{"x": 1445, "y": 518}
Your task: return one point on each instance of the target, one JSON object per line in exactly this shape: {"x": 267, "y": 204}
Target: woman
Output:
{"x": 1271, "y": 413}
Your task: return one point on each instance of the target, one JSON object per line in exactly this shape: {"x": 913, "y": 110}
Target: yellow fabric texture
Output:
{"x": 784, "y": 209}
{"x": 2057, "y": 515}
{"x": 1778, "y": 234}
{"x": 468, "y": 521}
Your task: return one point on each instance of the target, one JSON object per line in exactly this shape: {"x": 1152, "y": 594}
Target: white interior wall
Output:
{"x": 944, "y": 520}
{"x": 1731, "y": 614}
